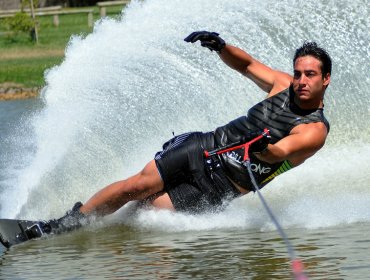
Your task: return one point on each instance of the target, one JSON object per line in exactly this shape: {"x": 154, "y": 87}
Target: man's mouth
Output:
{"x": 302, "y": 91}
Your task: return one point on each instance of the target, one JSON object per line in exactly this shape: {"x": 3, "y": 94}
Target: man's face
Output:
{"x": 308, "y": 83}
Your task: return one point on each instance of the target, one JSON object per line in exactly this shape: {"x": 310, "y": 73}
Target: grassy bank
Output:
{"x": 23, "y": 62}
{"x": 28, "y": 72}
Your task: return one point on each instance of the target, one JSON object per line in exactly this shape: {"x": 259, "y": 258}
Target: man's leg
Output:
{"x": 138, "y": 187}
{"x": 162, "y": 201}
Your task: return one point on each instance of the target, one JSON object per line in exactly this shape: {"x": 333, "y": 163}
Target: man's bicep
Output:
{"x": 261, "y": 74}
{"x": 268, "y": 79}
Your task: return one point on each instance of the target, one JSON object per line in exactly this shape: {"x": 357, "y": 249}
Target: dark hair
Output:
{"x": 312, "y": 49}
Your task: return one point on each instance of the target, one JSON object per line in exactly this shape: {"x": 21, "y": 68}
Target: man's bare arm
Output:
{"x": 269, "y": 80}
{"x": 303, "y": 142}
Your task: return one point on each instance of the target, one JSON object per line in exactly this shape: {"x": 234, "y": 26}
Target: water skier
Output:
{"x": 180, "y": 178}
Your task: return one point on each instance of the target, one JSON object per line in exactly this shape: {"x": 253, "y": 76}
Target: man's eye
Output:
{"x": 311, "y": 74}
{"x": 297, "y": 75}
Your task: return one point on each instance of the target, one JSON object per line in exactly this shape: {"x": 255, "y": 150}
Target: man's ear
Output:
{"x": 327, "y": 80}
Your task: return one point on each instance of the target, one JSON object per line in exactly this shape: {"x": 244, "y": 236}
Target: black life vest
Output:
{"x": 280, "y": 115}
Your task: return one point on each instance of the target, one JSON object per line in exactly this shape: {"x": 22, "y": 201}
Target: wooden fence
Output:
{"x": 56, "y": 11}
{"x": 102, "y": 5}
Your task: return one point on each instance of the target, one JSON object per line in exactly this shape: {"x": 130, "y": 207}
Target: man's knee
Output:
{"x": 148, "y": 181}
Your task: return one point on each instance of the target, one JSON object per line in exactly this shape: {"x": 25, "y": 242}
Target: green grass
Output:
{"x": 28, "y": 72}
{"x": 24, "y": 62}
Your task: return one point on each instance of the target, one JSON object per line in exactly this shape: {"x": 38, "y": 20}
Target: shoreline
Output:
{"x": 17, "y": 92}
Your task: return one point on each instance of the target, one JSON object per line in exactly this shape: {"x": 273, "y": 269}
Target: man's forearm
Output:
{"x": 236, "y": 58}
{"x": 272, "y": 154}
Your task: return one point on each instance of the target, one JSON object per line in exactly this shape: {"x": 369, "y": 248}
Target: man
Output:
{"x": 179, "y": 178}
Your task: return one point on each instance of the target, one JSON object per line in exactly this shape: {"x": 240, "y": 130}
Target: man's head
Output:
{"x": 312, "y": 49}
{"x": 312, "y": 69}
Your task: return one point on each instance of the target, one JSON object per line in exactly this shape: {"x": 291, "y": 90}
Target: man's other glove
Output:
{"x": 210, "y": 40}
{"x": 260, "y": 145}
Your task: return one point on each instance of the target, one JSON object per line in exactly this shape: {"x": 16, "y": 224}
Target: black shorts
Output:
{"x": 187, "y": 180}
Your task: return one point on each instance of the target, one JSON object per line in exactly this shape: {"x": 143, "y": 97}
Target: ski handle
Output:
{"x": 236, "y": 146}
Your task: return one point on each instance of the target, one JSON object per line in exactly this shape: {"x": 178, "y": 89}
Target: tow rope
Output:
{"x": 295, "y": 263}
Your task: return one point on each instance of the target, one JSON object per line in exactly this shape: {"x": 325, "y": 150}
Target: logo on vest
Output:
{"x": 235, "y": 157}
{"x": 256, "y": 168}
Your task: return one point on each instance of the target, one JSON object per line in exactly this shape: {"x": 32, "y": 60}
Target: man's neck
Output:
{"x": 309, "y": 105}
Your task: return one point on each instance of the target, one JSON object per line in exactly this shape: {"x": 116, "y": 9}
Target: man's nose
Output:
{"x": 302, "y": 79}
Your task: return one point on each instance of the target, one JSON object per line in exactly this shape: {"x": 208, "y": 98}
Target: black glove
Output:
{"x": 260, "y": 145}
{"x": 210, "y": 40}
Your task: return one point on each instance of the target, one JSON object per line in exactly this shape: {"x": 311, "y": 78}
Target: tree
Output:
{"x": 20, "y": 22}
{"x": 32, "y": 4}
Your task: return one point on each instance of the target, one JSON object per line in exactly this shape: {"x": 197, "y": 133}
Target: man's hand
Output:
{"x": 210, "y": 40}
{"x": 260, "y": 145}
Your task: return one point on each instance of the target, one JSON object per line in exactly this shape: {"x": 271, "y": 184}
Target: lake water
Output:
{"x": 121, "y": 252}
{"x": 121, "y": 92}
